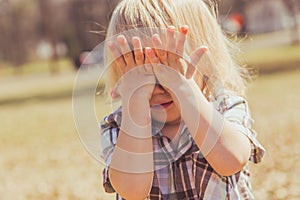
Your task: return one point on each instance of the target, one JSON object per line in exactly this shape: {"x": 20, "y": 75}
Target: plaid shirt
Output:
{"x": 181, "y": 172}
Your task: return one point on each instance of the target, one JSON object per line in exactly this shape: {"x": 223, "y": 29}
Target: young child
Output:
{"x": 184, "y": 128}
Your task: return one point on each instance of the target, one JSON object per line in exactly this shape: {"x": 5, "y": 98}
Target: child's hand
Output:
{"x": 169, "y": 62}
{"x": 137, "y": 73}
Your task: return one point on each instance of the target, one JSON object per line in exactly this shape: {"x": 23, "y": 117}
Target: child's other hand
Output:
{"x": 137, "y": 76}
{"x": 170, "y": 58}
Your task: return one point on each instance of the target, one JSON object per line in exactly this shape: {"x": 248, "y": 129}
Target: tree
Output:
{"x": 291, "y": 6}
{"x": 25, "y": 24}
{"x": 13, "y": 41}
{"x": 49, "y": 30}
{"x": 88, "y": 23}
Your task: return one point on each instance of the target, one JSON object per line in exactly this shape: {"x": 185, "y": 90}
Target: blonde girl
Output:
{"x": 184, "y": 128}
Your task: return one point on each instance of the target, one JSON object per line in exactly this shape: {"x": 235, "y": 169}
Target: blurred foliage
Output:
{"x": 78, "y": 24}
{"x": 24, "y": 24}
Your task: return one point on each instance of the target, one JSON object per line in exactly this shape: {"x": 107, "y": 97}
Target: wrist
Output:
{"x": 136, "y": 126}
{"x": 136, "y": 113}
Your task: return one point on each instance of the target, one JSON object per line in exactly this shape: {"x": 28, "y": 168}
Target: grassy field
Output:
{"x": 42, "y": 156}
{"x": 273, "y": 59}
{"x": 274, "y": 100}
{"x": 41, "y": 153}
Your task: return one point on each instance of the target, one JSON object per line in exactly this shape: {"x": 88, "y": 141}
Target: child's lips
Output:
{"x": 162, "y": 105}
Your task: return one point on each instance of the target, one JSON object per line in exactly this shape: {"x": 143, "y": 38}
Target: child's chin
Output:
{"x": 159, "y": 119}
{"x": 163, "y": 120}
{"x": 165, "y": 115}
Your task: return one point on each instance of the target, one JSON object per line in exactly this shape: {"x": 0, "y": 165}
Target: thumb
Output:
{"x": 115, "y": 92}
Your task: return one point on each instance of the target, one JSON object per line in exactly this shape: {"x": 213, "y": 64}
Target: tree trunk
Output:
{"x": 291, "y": 6}
{"x": 48, "y": 29}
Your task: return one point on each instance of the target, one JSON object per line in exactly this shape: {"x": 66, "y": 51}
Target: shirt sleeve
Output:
{"x": 109, "y": 135}
{"x": 236, "y": 110}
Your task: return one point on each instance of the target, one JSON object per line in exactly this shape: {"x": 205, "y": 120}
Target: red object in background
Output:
{"x": 238, "y": 18}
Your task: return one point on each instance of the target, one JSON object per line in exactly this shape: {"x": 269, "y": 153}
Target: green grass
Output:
{"x": 273, "y": 59}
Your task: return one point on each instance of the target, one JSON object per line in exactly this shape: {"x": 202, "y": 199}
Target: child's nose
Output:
{"x": 158, "y": 89}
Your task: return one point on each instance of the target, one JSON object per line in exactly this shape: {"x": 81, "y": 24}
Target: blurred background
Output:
{"x": 42, "y": 45}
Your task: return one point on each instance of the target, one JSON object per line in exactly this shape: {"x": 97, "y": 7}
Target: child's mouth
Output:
{"x": 163, "y": 105}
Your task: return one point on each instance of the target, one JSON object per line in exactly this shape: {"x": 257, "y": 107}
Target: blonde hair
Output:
{"x": 203, "y": 30}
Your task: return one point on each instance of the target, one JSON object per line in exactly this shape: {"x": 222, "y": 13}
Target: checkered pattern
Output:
{"x": 181, "y": 172}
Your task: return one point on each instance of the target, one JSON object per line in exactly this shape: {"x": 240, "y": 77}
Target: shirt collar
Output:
{"x": 177, "y": 149}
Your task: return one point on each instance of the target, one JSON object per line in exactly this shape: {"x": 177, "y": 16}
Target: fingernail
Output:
{"x": 204, "y": 49}
{"x": 149, "y": 51}
{"x": 135, "y": 40}
{"x": 113, "y": 94}
{"x": 110, "y": 45}
{"x": 171, "y": 28}
{"x": 121, "y": 39}
{"x": 184, "y": 29}
{"x": 155, "y": 37}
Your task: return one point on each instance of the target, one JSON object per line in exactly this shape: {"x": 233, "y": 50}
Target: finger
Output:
{"x": 126, "y": 51}
{"x": 138, "y": 51}
{"x": 147, "y": 62}
{"x": 117, "y": 57}
{"x": 181, "y": 38}
{"x": 160, "y": 52}
{"x": 171, "y": 41}
{"x": 194, "y": 59}
{"x": 152, "y": 58}
{"x": 115, "y": 93}
{"x": 150, "y": 54}
{"x": 176, "y": 62}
